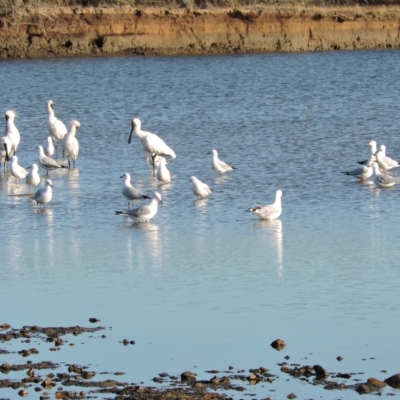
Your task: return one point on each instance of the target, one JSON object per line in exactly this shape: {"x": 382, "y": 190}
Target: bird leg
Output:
{"x": 153, "y": 157}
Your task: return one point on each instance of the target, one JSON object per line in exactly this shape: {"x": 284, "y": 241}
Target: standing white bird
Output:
{"x": 70, "y": 143}
{"x": 12, "y": 131}
{"x": 363, "y": 172}
{"x": 33, "y": 177}
{"x": 56, "y": 127}
{"x": 382, "y": 180}
{"x": 145, "y": 212}
{"x": 385, "y": 162}
{"x": 151, "y": 143}
{"x": 5, "y": 149}
{"x": 49, "y": 147}
{"x": 199, "y": 188}
{"x": 131, "y": 193}
{"x": 43, "y": 196}
{"x": 163, "y": 175}
{"x": 271, "y": 211}
{"x": 16, "y": 170}
{"x": 373, "y": 150}
{"x": 47, "y": 162}
{"x": 218, "y": 165}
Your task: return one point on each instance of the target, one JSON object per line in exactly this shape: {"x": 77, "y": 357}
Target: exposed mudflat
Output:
{"x": 72, "y": 381}
{"x": 34, "y": 32}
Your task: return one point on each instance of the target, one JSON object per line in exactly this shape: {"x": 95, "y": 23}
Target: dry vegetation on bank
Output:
{"x": 12, "y": 6}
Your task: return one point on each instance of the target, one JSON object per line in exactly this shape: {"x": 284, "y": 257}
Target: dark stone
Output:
{"x": 188, "y": 377}
{"x": 278, "y": 344}
{"x": 320, "y": 371}
{"x": 393, "y": 381}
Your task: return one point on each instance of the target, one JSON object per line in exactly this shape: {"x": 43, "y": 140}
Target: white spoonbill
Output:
{"x": 382, "y": 180}
{"x": 33, "y": 177}
{"x": 12, "y": 131}
{"x": 151, "y": 143}
{"x": 199, "y": 188}
{"x": 163, "y": 175}
{"x": 47, "y": 162}
{"x": 70, "y": 144}
{"x": 49, "y": 147}
{"x": 145, "y": 212}
{"x": 271, "y": 211}
{"x": 218, "y": 165}
{"x": 16, "y": 170}
{"x": 43, "y": 196}
{"x": 363, "y": 172}
{"x": 130, "y": 192}
{"x": 56, "y": 127}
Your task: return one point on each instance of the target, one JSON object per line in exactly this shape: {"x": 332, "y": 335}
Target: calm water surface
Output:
{"x": 206, "y": 285}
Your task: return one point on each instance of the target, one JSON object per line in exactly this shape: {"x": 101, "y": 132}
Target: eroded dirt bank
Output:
{"x": 53, "y": 32}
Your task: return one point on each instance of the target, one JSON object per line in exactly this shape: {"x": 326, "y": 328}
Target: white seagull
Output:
{"x": 271, "y": 211}
{"x": 163, "y": 175}
{"x": 49, "y": 148}
{"x": 33, "y": 177}
{"x": 56, "y": 127}
{"x": 47, "y": 162}
{"x": 143, "y": 213}
{"x": 385, "y": 162}
{"x": 218, "y": 165}
{"x": 130, "y": 192}
{"x": 43, "y": 196}
{"x": 373, "y": 151}
{"x": 151, "y": 143}
{"x": 70, "y": 143}
{"x": 382, "y": 180}
{"x": 16, "y": 170}
{"x": 363, "y": 172}
{"x": 199, "y": 188}
{"x": 12, "y": 131}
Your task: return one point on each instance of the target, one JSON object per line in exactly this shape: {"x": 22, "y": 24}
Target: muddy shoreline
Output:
{"x": 71, "y": 381}
{"x": 42, "y": 32}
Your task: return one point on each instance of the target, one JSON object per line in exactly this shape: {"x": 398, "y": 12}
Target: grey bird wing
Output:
{"x": 49, "y": 163}
{"x": 385, "y": 179}
{"x": 38, "y": 194}
{"x": 132, "y": 193}
{"x": 223, "y": 164}
{"x": 267, "y": 210}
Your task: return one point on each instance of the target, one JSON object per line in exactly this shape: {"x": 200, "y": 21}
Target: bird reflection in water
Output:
{"x": 275, "y": 227}
{"x": 148, "y": 251}
{"x": 73, "y": 179}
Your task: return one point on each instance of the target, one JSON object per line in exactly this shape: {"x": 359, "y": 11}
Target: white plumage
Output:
{"x": 145, "y": 212}
{"x": 163, "y": 175}
{"x": 70, "y": 144}
{"x": 16, "y": 170}
{"x": 218, "y": 165}
{"x": 12, "y": 131}
{"x": 33, "y": 177}
{"x": 382, "y": 180}
{"x": 385, "y": 162}
{"x": 151, "y": 143}
{"x": 56, "y": 127}
{"x": 130, "y": 192}
{"x": 199, "y": 188}
{"x": 43, "y": 196}
{"x": 47, "y": 162}
{"x": 270, "y": 211}
{"x": 363, "y": 172}
{"x": 49, "y": 147}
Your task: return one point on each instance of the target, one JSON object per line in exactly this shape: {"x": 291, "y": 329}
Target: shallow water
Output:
{"x": 206, "y": 285}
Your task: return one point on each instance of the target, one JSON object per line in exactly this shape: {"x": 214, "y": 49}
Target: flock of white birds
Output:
{"x": 152, "y": 144}
{"x": 376, "y": 167}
